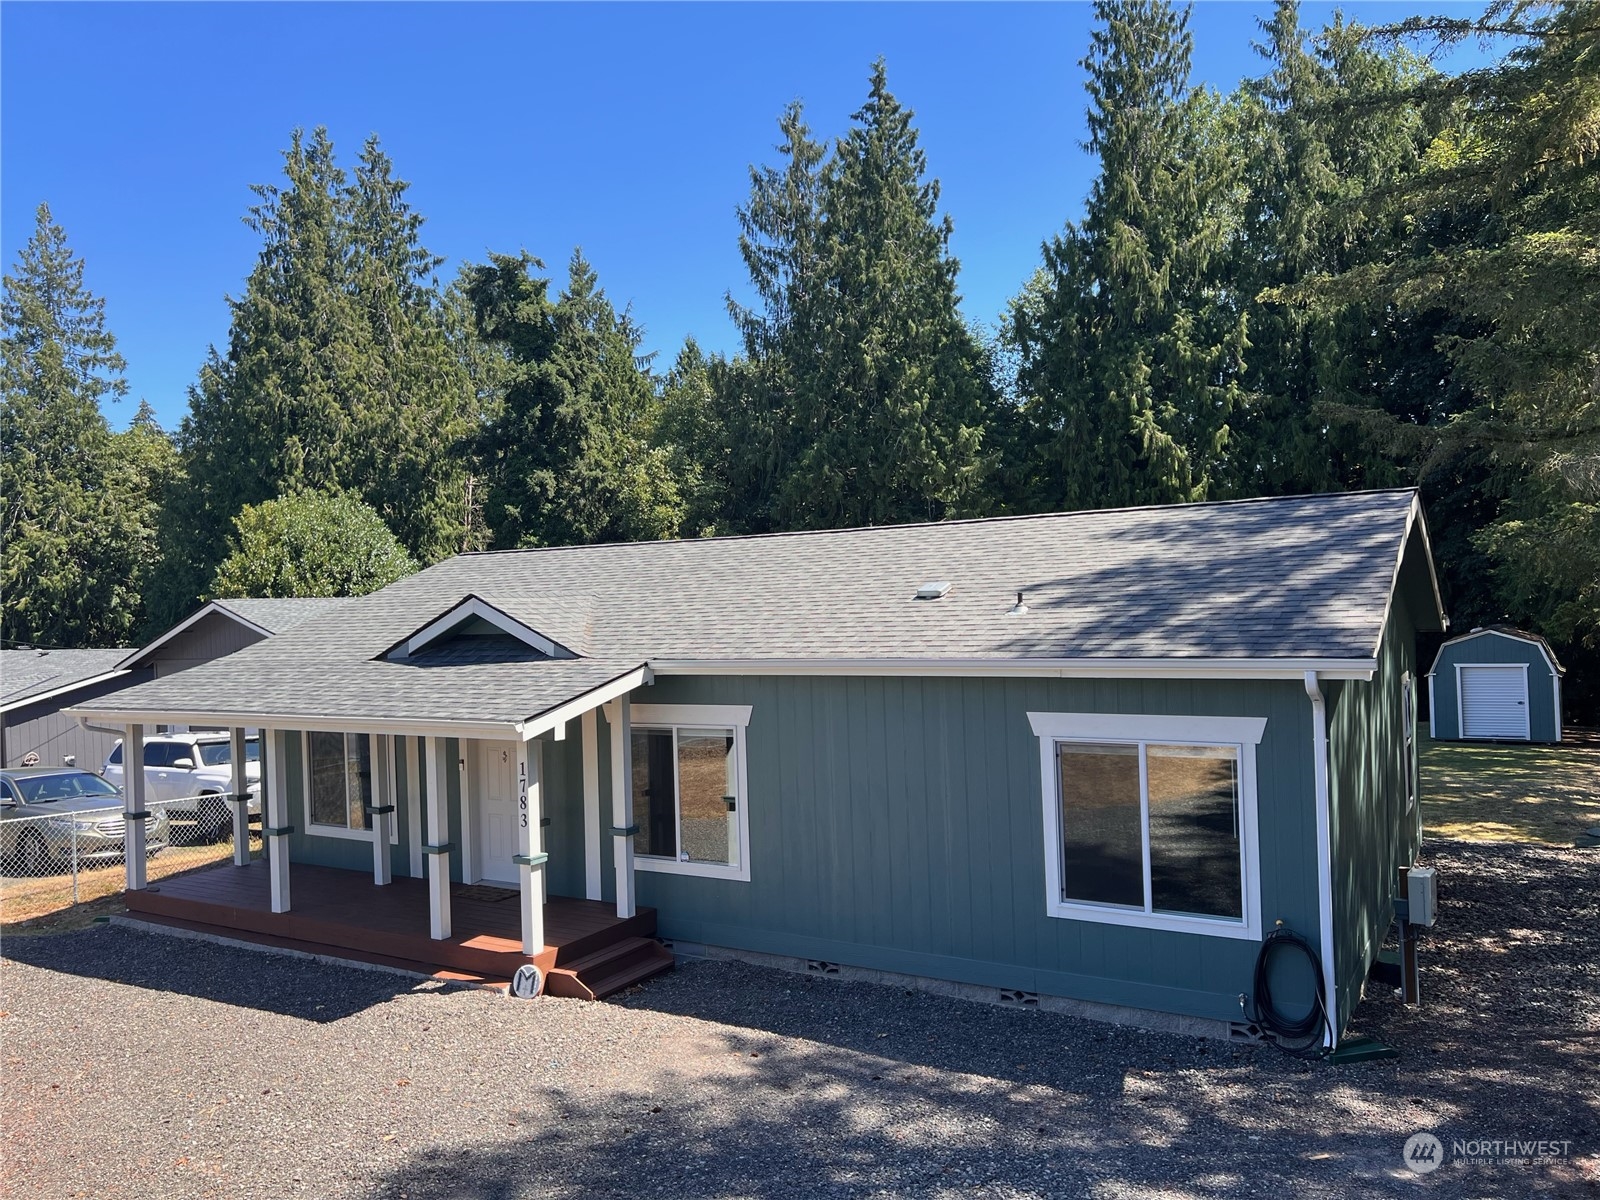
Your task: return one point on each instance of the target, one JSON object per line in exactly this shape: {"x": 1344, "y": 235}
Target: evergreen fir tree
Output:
{"x": 1499, "y": 266}
{"x": 861, "y": 396}
{"x": 72, "y": 512}
{"x": 339, "y": 372}
{"x": 891, "y": 389}
{"x": 1316, "y": 137}
{"x": 780, "y": 235}
{"x": 1131, "y": 352}
{"x": 570, "y": 450}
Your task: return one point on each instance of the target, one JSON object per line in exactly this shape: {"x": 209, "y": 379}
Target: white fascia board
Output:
{"x": 214, "y": 606}
{"x": 1134, "y": 727}
{"x": 1500, "y": 633}
{"x": 404, "y": 726}
{"x": 1104, "y": 668}
{"x": 476, "y": 606}
{"x": 36, "y": 697}
{"x": 1417, "y": 521}
{"x": 578, "y": 705}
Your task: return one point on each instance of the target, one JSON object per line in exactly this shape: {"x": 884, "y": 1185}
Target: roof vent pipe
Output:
{"x": 1017, "y": 609}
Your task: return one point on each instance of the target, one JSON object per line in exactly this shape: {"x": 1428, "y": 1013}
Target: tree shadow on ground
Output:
{"x": 807, "y": 1086}
{"x": 281, "y": 984}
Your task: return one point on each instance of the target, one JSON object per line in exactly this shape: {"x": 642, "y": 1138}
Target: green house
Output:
{"x": 1088, "y": 759}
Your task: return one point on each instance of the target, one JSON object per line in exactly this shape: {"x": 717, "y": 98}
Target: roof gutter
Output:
{"x": 36, "y": 697}
{"x": 1319, "y": 738}
{"x": 402, "y": 726}
{"x": 1052, "y": 668}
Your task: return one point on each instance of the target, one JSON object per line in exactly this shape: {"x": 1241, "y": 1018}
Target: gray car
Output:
{"x": 51, "y": 815}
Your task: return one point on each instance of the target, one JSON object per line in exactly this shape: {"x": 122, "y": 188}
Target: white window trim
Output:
{"x": 1410, "y": 752}
{"x": 1242, "y": 733}
{"x": 315, "y": 829}
{"x": 702, "y": 716}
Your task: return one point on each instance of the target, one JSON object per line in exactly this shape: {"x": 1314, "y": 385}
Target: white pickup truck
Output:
{"x": 191, "y": 774}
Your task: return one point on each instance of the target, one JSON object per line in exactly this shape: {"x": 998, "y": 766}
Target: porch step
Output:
{"x": 607, "y": 972}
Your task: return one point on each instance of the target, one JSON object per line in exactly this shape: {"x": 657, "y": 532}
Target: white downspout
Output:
{"x": 1319, "y": 742}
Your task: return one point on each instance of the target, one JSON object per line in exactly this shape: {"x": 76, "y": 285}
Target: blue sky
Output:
{"x": 628, "y": 129}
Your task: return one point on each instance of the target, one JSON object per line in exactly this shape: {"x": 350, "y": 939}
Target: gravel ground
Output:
{"x": 142, "y": 1066}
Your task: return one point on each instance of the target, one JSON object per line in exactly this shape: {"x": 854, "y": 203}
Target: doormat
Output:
{"x": 484, "y": 892}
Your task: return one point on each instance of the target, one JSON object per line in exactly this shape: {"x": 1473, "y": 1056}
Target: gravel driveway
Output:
{"x": 142, "y": 1066}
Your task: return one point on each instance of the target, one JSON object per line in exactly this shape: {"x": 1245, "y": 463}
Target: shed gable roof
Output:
{"x": 1502, "y": 631}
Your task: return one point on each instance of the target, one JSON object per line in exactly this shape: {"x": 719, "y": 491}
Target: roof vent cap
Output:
{"x": 933, "y": 590}
{"x": 1018, "y": 609}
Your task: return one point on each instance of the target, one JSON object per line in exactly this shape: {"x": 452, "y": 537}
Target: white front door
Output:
{"x": 497, "y": 811}
{"x": 1494, "y": 702}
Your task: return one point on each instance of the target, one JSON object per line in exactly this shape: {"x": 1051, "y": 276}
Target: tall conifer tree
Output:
{"x": 1130, "y": 350}
{"x": 338, "y": 374}
{"x": 861, "y": 397}
{"x": 74, "y": 508}
{"x": 570, "y": 450}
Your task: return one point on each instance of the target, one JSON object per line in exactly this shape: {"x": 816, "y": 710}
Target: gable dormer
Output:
{"x": 479, "y": 629}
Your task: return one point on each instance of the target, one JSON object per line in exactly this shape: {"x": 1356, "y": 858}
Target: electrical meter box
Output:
{"x": 1422, "y": 894}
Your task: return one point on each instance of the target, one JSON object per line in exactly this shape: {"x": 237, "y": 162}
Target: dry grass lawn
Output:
{"x": 45, "y": 905}
{"x": 1489, "y": 792}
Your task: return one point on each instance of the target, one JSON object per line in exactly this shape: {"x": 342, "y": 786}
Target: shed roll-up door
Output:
{"x": 1494, "y": 702}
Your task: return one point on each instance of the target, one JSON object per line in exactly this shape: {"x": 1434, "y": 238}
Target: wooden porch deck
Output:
{"x": 589, "y": 951}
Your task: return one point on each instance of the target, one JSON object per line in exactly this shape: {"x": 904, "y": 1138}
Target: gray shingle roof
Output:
{"x": 25, "y": 673}
{"x": 278, "y": 615}
{"x": 1288, "y": 578}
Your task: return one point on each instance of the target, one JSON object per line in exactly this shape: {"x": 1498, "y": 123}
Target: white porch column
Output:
{"x": 413, "y": 806}
{"x": 382, "y": 809}
{"x": 530, "y": 856}
{"x": 622, "y": 826}
{"x": 438, "y": 844}
{"x": 241, "y": 805}
{"x": 275, "y": 827}
{"x": 133, "y": 799}
{"x": 589, "y": 727}
{"x": 469, "y": 776}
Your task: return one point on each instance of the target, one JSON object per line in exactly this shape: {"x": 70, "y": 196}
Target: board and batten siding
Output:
{"x": 214, "y": 636}
{"x": 42, "y": 728}
{"x": 1375, "y": 829}
{"x": 897, "y": 824}
{"x": 355, "y": 854}
{"x": 1489, "y": 647}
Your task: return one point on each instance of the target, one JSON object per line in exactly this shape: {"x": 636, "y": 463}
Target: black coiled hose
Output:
{"x": 1285, "y": 1031}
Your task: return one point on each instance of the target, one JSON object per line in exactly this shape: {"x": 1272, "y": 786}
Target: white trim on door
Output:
{"x": 1461, "y": 703}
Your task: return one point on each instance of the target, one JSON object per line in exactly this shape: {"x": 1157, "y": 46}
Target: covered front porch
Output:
{"x": 589, "y": 952}
{"x": 430, "y": 843}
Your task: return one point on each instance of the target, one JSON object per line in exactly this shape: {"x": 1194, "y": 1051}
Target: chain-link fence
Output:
{"x": 51, "y": 860}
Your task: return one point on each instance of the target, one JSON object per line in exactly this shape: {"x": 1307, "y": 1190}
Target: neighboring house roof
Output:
{"x": 1284, "y": 581}
{"x": 1506, "y": 631}
{"x": 28, "y": 676}
{"x": 264, "y": 616}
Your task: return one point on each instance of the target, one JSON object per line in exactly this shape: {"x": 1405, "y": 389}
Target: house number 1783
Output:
{"x": 522, "y": 795}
